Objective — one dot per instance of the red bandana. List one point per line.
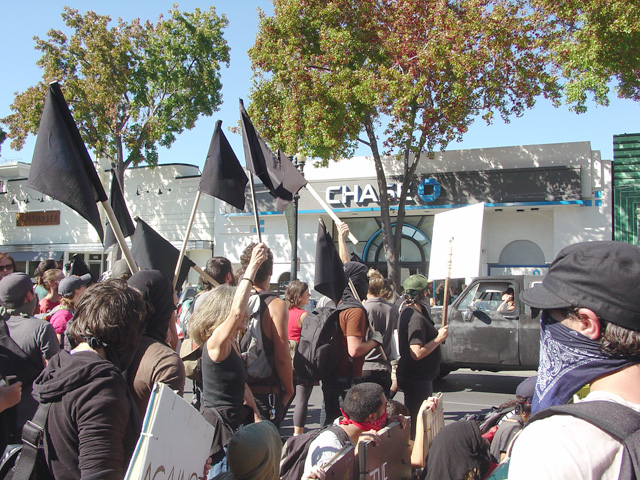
(375, 425)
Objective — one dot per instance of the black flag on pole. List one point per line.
(330, 279)
(61, 166)
(276, 172)
(292, 181)
(259, 158)
(151, 251)
(222, 175)
(120, 210)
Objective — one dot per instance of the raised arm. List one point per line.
(343, 231)
(217, 345)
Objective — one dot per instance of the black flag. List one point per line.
(222, 176)
(330, 279)
(61, 166)
(151, 251)
(120, 210)
(79, 268)
(258, 157)
(292, 181)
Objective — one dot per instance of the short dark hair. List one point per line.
(614, 340)
(265, 270)
(362, 400)
(294, 293)
(43, 266)
(111, 311)
(217, 267)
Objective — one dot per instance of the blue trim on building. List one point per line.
(420, 207)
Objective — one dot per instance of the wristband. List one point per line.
(248, 280)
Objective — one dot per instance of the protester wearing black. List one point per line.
(155, 361)
(458, 452)
(227, 400)
(419, 344)
(93, 424)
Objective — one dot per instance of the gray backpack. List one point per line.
(254, 354)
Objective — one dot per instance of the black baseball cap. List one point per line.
(14, 287)
(601, 276)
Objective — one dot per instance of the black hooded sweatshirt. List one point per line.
(90, 432)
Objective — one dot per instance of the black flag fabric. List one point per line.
(330, 279)
(61, 166)
(258, 157)
(151, 251)
(222, 175)
(120, 210)
(79, 268)
(292, 181)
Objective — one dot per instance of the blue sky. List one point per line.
(22, 19)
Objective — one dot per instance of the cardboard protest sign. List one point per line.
(343, 465)
(174, 442)
(390, 459)
(464, 226)
(432, 422)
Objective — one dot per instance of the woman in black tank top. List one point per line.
(215, 325)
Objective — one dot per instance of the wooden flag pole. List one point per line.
(205, 275)
(255, 207)
(445, 300)
(115, 226)
(186, 239)
(327, 209)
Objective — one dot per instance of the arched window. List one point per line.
(415, 250)
(522, 252)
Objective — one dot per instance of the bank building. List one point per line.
(538, 199)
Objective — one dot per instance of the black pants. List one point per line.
(381, 377)
(334, 391)
(415, 392)
(265, 404)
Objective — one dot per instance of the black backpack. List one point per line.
(27, 461)
(619, 421)
(320, 347)
(296, 449)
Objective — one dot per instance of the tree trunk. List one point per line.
(391, 250)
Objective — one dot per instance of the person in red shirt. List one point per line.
(51, 279)
(297, 296)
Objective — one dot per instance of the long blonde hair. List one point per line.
(214, 310)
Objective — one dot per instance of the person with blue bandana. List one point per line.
(590, 334)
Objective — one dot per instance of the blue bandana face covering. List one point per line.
(568, 361)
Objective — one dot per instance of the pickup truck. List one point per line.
(483, 338)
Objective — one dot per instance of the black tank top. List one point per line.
(223, 382)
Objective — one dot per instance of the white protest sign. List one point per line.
(464, 226)
(175, 439)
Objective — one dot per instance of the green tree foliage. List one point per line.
(329, 72)
(130, 86)
(598, 42)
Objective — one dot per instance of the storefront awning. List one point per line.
(35, 256)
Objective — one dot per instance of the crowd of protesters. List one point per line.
(92, 354)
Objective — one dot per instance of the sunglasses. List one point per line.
(4, 268)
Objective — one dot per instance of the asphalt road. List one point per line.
(464, 391)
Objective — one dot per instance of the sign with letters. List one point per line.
(390, 459)
(175, 440)
(34, 219)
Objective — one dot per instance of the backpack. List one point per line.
(320, 347)
(27, 461)
(252, 346)
(619, 421)
(14, 364)
(296, 449)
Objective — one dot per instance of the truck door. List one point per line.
(482, 329)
